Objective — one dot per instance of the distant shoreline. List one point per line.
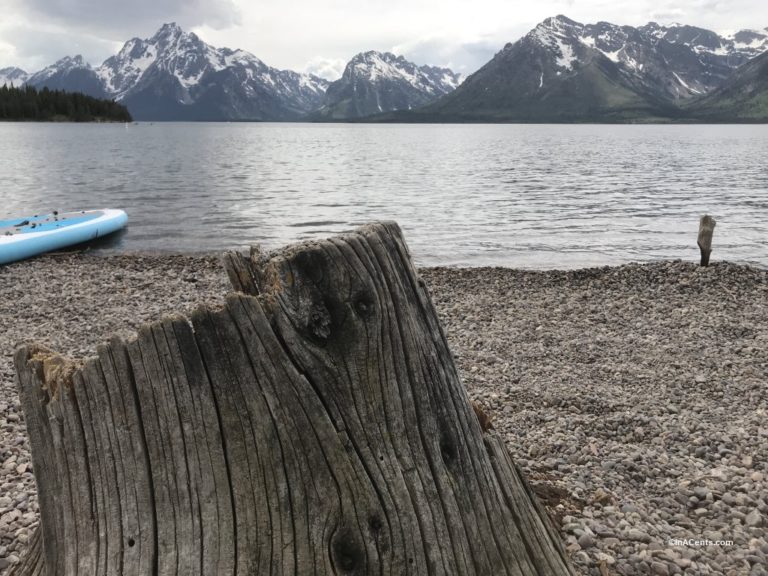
(423, 121)
(31, 105)
(419, 122)
(62, 121)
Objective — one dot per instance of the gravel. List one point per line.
(633, 397)
(72, 303)
(637, 395)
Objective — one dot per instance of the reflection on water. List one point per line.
(513, 195)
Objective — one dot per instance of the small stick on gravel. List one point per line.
(706, 229)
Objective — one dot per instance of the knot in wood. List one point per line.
(448, 448)
(364, 305)
(319, 322)
(346, 552)
(375, 523)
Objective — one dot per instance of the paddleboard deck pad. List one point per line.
(25, 237)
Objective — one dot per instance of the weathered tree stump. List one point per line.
(318, 428)
(706, 230)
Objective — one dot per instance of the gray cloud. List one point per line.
(36, 49)
(328, 68)
(667, 14)
(461, 56)
(42, 31)
(123, 19)
(295, 33)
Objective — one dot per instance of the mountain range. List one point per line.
(561, 71)
(174, 75)
(565, 71)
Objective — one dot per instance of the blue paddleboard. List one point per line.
(24, 237)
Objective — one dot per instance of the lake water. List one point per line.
(532, 196)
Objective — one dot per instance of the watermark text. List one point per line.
(696, 543)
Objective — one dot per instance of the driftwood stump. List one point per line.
(317, 428)
(706, 230)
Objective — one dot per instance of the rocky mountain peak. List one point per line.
(168, 30)
(62, 67)
(13, 76)
(374, 82)
(559, 36)
(69, 62)
(750, 36)
(377, 66)
(172, 37)
(559, 23)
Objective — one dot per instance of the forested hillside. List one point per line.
(55, 105)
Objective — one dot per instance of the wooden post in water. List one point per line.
(318, 427)
(706, 229)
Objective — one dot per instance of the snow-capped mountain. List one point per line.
(174, 75)
(673, 62)
(375, 82)
(743, 98)
(70, 73)
(563, 70)
(744, 44)
(13, 77)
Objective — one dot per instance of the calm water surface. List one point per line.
(510, 195)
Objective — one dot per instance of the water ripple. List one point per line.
(527, 196)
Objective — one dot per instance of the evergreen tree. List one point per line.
(52, 105)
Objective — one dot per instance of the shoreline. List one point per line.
(160, 254)
(633, 396)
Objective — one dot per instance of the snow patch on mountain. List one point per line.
(649, 54)
(612, 56)
(375, 82)
(377, 67)
(556, 34)
(745, 44)
(13, 76)
(752, 41)
(63, 66)
(684, 84)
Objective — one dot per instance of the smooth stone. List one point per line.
(754, 519)
(637, 535)
(586, 541)
(701, 492)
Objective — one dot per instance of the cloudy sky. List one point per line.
(321, 35)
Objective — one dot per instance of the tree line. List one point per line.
(43, 105)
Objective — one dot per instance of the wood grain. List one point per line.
(706, 230)
(314, 424)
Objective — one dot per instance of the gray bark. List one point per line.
(706, 230)
(317, 428)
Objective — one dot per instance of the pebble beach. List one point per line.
(634, 398)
